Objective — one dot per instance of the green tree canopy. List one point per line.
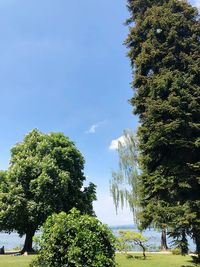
(127, 240)
(164, 50)
(45, 175)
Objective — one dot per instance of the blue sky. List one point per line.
(63, 68)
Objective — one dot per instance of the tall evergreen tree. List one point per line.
(164, 50)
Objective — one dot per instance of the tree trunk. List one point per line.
(143, 250)
(28, 244)
(184, 243)
(197, 242)
(2, 251)
(164, 240)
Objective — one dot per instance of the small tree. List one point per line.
(75, 240)
(45, 175)
(128, 239)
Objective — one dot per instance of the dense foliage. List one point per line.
(164, 50)
(45, 175)
(75, 240)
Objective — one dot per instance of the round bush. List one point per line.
(176, 251)
(75, 240)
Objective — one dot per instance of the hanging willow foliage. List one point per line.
(124, 185)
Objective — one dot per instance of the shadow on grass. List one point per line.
(136, 257)
(193, 262)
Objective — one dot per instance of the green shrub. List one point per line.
(129, 256)
(36, 243)
(75, 240)
(176, 251)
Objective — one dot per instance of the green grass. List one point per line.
(17, 261)
(153, 260)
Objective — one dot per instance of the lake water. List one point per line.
(154, 238)
(11, 241)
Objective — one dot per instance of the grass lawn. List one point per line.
(153, 260)
(18, 261)
(156, 260)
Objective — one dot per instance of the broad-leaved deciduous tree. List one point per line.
(45, 176)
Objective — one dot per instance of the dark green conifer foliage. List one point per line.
(164, 50)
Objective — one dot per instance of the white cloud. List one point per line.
(93, 127)
(115, 143)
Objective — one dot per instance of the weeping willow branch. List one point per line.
(124, 185)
